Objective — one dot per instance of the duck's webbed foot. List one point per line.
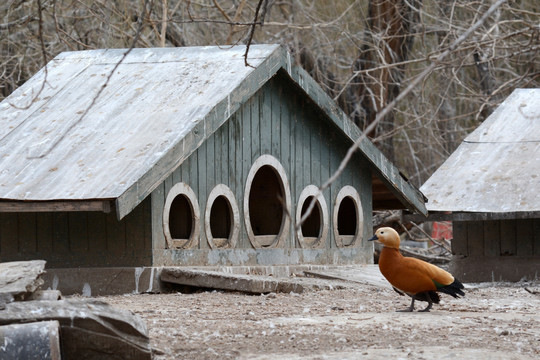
(409, 309)
(427, 298)
(427, 307)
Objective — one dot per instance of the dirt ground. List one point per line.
(495, 321)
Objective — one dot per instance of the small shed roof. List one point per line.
(58, 142)
(497, 167)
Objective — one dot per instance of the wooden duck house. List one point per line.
(490, 189)
(183, 157)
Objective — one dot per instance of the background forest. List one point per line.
(363, 53)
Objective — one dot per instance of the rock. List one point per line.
(19, 279)
(88, 329)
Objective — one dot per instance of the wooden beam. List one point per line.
(55, 206)
(472, 216)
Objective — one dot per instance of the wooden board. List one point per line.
(460, 243)
(492, 238)
(524, 237)
(536, 232)
(73, 239)
(475, 236)
(508, 237)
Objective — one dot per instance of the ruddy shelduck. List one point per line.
(420, 280)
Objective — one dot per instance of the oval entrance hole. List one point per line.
(181, 218)
(346, 221)
(221, 218)
(265, 203)
(311, 228)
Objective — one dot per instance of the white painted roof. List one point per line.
(497, 167)
(152, 101)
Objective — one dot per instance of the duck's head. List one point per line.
(387, 236)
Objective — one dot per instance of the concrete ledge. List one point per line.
(252, 279)
(103, 281)
(501, 268)
(363, 254)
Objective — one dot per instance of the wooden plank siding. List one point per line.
(460, 243)
(276, 120)
(508, 237)
(536, 237)
(493, 238)
(78, 239)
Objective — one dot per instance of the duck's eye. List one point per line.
(382, 232)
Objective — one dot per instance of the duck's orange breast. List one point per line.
(409, 274)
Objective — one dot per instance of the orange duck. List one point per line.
(416, 278)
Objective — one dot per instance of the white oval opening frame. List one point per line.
(225, 191)
(344, 241)
(182, 189)
(320, 241)
(279, 239)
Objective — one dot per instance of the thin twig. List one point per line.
(44, 57)
(22, 21)
(251, 32)
(163, 34)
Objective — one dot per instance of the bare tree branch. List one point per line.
(22, 21)
(252, 31)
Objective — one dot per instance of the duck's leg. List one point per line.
(430, 303)
(410, 308)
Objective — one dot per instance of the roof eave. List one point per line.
(100, 205)
(474, 216)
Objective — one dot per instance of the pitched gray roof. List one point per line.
(157, 108)
(497, 167)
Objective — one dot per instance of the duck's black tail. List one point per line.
(454, 289)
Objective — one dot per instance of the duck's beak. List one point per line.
(374, 238)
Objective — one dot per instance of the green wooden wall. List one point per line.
(279, 121)
(78, 239)
(495, 238)
(496, 250)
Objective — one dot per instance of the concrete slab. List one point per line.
(311, 279)
(257, 284)
(363, 274)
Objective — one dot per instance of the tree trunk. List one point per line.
(388, 41)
